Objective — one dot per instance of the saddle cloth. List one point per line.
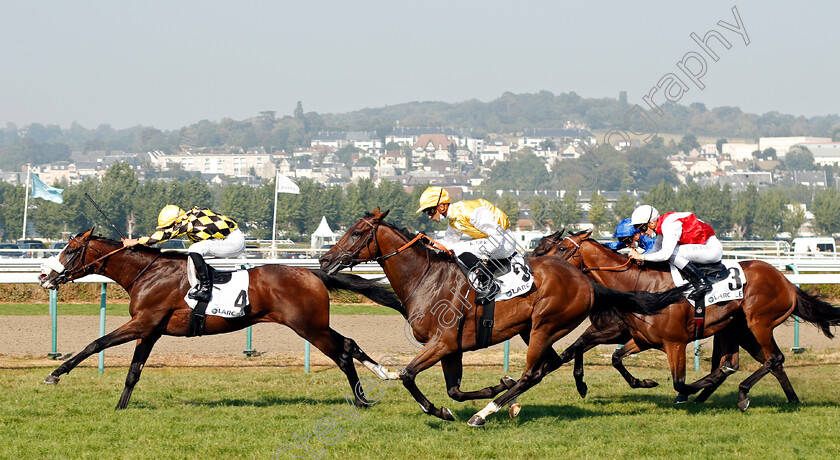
(517, 281)
(230, 293)
(724, 289)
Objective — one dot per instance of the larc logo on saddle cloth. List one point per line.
(229, 299)
(724, 288)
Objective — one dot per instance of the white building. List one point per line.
(229, 164)
(739, 152)
(783, 144)
(825, 153)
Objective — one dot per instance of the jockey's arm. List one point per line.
(666, 243)
(451, 237)
(160, 235)
(486, 222)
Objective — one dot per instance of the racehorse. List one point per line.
(769, 299)
(157, 284)
(430, 288)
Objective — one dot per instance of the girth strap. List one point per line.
(485, 324)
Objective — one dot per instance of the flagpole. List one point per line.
(26, 199)
(274, 220)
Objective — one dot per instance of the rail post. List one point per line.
(306, 357)
(102, 326)
(507, 355)
(696, 355)
(249, 350)
(796, 348)
(54, 354)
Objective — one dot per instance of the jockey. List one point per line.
(682, 239)
(486, 225)
(629, 237)
(212, 235)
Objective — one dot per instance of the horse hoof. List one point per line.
(508, 382)
(648, 383)
(51, 379)
(680, 399)
(582, 390)
(446, 414)
(476, 420)
(744, 404)
(514, 409)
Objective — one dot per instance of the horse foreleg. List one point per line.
(141, 354)
(630, 348)
(676, 362)
(453, 370)
(129, 331)
(725, 357)
(424, 360)
(592, 337)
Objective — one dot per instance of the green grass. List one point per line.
(121, 309)
(226, 412)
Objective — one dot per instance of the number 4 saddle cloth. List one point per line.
(229, 294)
(727, 281)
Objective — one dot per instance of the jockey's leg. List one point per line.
(202, 272)
(687, 254)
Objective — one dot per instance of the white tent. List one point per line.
(323, 235)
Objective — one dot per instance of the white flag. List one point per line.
(285, 185)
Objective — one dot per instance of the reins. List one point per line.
(623, 267)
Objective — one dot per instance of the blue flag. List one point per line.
(42, 190)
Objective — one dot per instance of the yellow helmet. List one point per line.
(432, 197)
(168, 215)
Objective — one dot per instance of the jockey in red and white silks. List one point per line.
(681, 238)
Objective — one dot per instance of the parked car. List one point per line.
(172, 245)
(56, 248)
(30, 250)
(252, 249)
(10, 251)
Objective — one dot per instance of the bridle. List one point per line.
(90, 268)
(576, 254)
(353, 257)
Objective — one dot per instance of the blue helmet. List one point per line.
(624, 229)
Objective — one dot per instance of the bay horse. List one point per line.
(157, 284)
(769, 299)
(440, 308)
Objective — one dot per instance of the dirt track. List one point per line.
(25, 341)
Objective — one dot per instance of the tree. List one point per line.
(719, 144)
(743, 211)
(826, 209)
(662, 197)
(688, 142)
(793, 218)
(623, 208)
(799, 158)
(599, 213)
(568, 213)
(510, 206)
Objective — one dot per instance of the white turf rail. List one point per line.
(16, 271)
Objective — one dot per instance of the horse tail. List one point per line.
(370, 288)
(609, 302)
(815, 310)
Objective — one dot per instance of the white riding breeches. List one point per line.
(232, 246)
(491, 247)
(708, 253)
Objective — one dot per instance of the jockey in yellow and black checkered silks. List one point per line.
(212, 235)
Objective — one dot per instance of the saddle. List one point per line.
(714, 272)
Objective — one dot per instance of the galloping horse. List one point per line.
(157, 283)
(430, 287)
(769, 299)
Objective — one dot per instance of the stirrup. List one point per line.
(200, 293)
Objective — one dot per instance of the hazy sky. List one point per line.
(172, 63)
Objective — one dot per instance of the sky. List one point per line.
(172, 63)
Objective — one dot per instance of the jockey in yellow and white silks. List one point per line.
(212, 234)
(486, 225)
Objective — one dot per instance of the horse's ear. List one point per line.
(586, 235)
(381, 217)
(86, 234)
(375, 211)
(560, 233)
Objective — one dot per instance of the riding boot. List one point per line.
(698, 280)
(480, 277)
(202, 272)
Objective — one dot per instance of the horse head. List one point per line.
(357, 245)
(548, 245)
(569, 248)
(69, 264)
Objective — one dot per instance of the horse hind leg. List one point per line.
(630, 348)
(340, 349)
(749, 343)
(453, 371)
(359, 355)
(141, 354)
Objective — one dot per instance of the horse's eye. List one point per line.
(562, 249)
(356, 233)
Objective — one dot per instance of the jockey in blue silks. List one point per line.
(625, 233)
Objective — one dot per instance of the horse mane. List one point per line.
(656, 266)
(405, 232)
(138, 247)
